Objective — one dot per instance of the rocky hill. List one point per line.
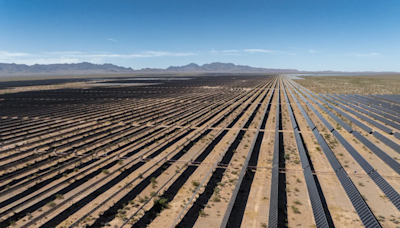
(90, 68)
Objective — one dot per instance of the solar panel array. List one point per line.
(315, 199)
(369, 112)
(387, 141)
(386, 188)
(384, 103)
(374, 104)
(292, 118)
(379, 136)
(366, 119)
(380, 153)
(337, 119)
(235, 192)
(274, 196)
(308, 120)
(389, 97)
(345, 115)
(328, 99)
(397, 135)
(362, 209)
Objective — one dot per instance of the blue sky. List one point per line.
(347, 35)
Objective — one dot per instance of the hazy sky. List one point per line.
(344, 35)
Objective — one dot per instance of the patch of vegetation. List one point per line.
(295, 209)
(216, 198)
(195, 183)
(105, 171)
(202, 214)
(161, 202)
(297, 202)
(59, 196)
(153, 182)
(51, 204)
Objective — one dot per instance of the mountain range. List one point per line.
(90, 68)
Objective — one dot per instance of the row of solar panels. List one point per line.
(359, 115)
(363, 104)
(333, 116)
(375, 101)
(385, 104)
(355, 197)
(315, 198)
(366, 118)
(377, 107)
(292, 118)
(274, 195)
(355, 100)
(380, 153)
(345, 115)
(369, 111)
(391, 193)
(389, 97)
(379, 136)
(232, 201)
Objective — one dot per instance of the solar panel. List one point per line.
(387, 141)
(366, 216)
(327, 150)
(367, 99)
(386, 188)
(381, 154)
(358, 99)
(368, 120)
(386, 121)
(323, 108)
(273, 204)
(307, 95)
(302, 152)
(389, 116)
(315, 199)
(341, 122)
(324, 121)
(385, 110)
(393, 99)
(397, 135)
(308, 120)
(312, 107)
(328, 98)
(360, 160)
(381, 112)
(386, 103)
(333, 116)
(370, 111)
(292, 118)
(355, 121)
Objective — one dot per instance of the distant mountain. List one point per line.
(90, 68)
(9, 69)
(74, 68)
(224, 67)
